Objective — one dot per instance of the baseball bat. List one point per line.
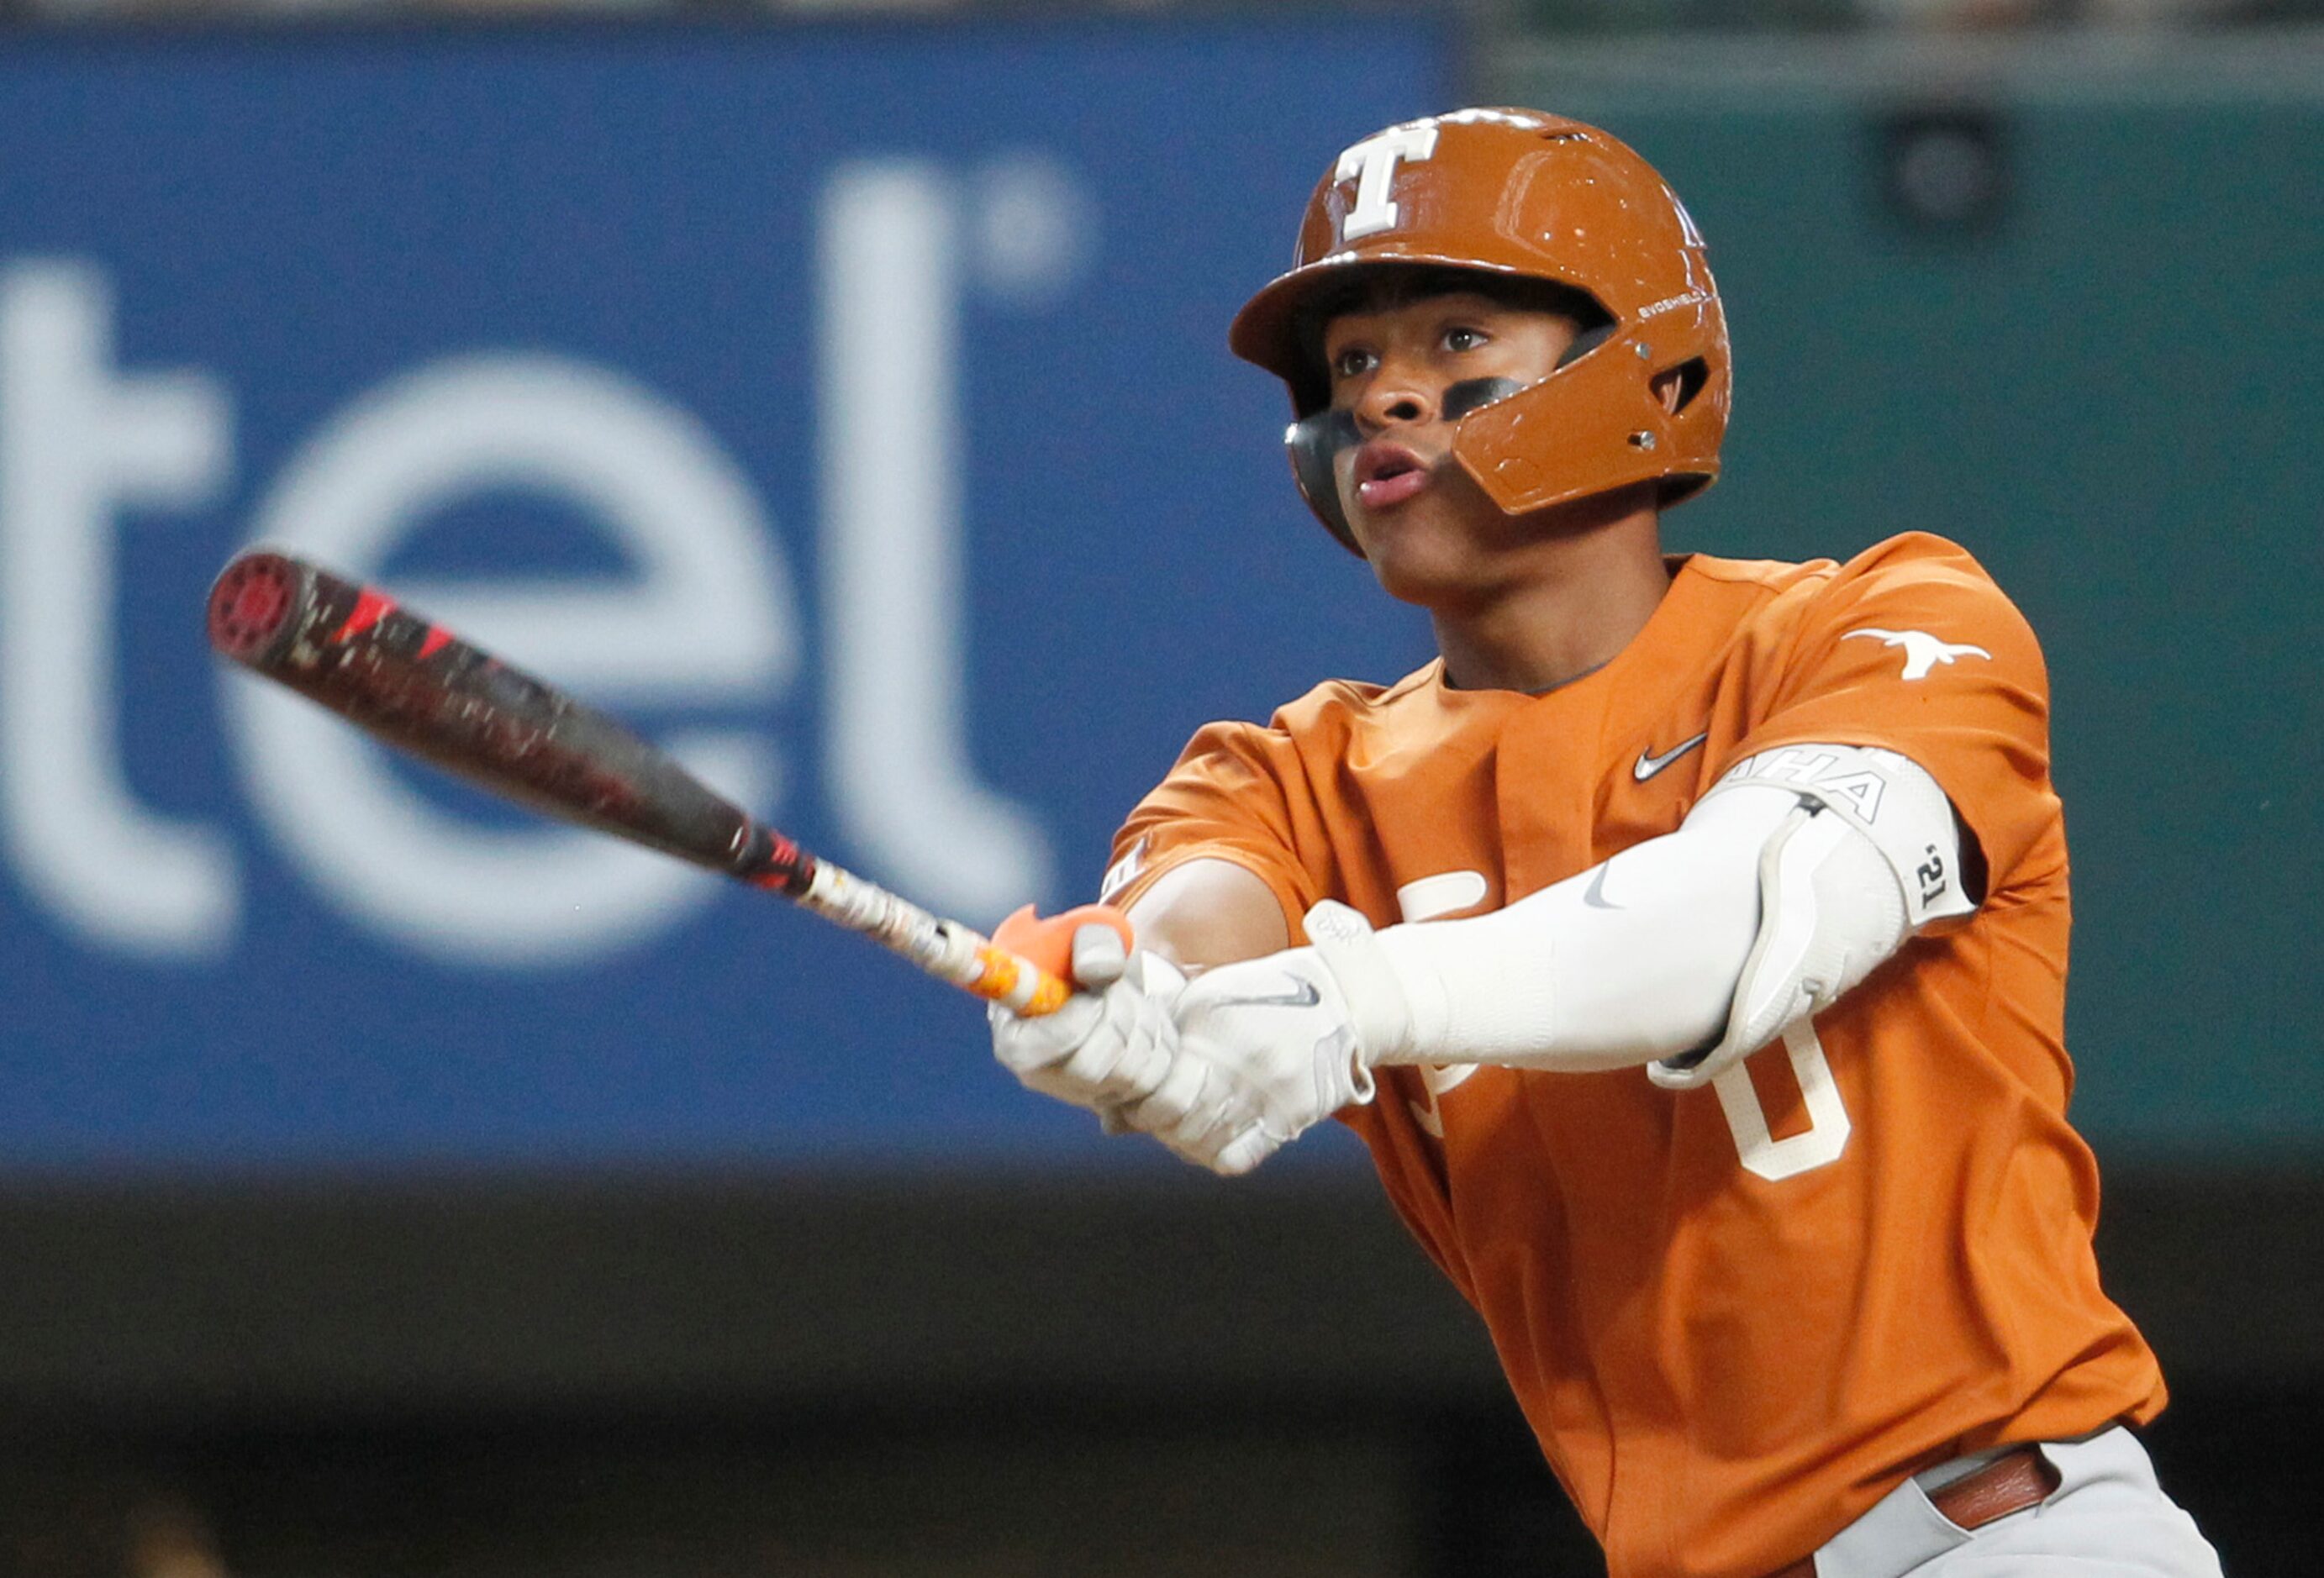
(413, 683)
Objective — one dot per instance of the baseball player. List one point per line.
(1687, 943)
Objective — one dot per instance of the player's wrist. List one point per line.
(1380, 991)
(1421, 961)
(1467, 991)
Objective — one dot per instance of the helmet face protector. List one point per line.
(1318, 439)
(1524, 197)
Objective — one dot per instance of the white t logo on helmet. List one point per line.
(1371, 165)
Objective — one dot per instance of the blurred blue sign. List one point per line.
(849, 410)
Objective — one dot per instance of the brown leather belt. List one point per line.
(2009, 1483)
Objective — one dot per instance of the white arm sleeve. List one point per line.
(1775, 896)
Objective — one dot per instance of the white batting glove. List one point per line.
(1271, 1047)
(1114, 1040)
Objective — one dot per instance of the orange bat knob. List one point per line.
(1050, 943)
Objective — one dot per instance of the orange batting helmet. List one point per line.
(1524, 196)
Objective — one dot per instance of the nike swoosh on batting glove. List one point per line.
(1269, 1047)
(1114, 1040)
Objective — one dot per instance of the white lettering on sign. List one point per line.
(895, 551)
(1371, 165)
(79, 445)
(708, 612)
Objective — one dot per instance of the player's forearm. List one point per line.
(1783, 888)
(1633, 960)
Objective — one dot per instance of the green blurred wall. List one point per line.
(2110, 395)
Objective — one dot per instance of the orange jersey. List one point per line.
(1735, 1320)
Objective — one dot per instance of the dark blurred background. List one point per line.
(390, 1185)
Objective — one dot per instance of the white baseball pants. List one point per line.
(2108, 1519)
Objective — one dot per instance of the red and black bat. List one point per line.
(418, 686)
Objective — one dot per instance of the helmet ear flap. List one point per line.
(1314, 442)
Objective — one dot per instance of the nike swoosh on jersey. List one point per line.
(1648, 763)
(1303, 996)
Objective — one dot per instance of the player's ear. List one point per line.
(1669, 388)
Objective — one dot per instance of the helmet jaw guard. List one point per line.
(1518, 195)
(1315, 442)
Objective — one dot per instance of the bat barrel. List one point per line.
(415, 685)
(412, 683)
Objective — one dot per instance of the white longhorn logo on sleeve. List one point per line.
(1923, 651)
(1371, 165)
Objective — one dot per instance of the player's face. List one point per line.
(1424, 524)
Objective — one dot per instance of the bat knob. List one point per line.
(1050, 943)
(253, 600)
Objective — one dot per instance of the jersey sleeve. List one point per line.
(1231, 796)
(1912, 649)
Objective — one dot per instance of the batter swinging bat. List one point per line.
(418, 686)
